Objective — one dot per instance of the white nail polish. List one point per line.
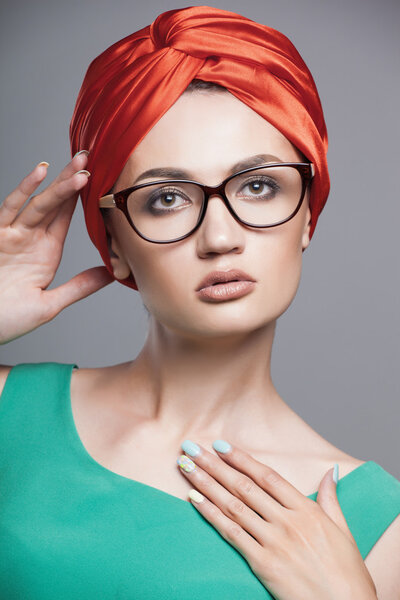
(196, 496)
(81, 152)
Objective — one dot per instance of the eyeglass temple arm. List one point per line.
(107, 201)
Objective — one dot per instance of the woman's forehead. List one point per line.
(206, 133)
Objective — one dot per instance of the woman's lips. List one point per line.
(226, 291)
(224, 277)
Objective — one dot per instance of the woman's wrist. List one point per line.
(350, 593)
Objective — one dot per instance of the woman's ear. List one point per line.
(119, 265)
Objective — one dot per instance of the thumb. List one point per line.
(82, 285)
(328, 500)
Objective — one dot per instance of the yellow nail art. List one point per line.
(186, 463)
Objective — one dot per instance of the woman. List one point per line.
(102, 511)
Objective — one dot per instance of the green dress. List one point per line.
(72, 529)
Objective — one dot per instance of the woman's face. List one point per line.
(206, 134)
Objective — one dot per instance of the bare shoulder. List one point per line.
(95, 378)
(4, 371)
(85, 378)
(383, 562)
(95, 386)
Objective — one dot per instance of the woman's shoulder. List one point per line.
(90, 373)
(96, 379)
(88, 377)
(383, 561)
(370, 499)
(24, 368)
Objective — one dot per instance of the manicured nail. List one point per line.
(43, 164)
(190, 448)
(335, 473)
(81, 152)
(221, 446)
(186, 463)
(84, 172)
(196, 496)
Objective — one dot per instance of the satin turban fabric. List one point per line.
(131, 84)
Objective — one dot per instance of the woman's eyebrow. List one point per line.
(174, 173)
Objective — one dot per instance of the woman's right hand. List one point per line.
(31, 244)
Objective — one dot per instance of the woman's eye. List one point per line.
(166, 200)
(259, 187)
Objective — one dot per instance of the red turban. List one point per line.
(131, 84)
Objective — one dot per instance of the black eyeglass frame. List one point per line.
(119, 199)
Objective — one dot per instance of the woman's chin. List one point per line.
(228, 325)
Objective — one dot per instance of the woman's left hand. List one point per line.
(296, 547)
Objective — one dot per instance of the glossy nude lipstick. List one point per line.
(225, 285)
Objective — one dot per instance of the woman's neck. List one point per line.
(207, 388)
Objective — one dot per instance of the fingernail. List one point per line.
(335, 473)
(221, 446)
(81, 152)
(43, 164)
(186, 463)
(84, 172)
(196, 496)
(190, 448)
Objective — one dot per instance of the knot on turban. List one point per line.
(131, 84)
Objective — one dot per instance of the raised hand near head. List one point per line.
(31, 245)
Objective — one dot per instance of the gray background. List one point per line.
(336, 353)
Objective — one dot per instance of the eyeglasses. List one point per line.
(170, 210)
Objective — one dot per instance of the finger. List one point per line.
(14, 201)
(232, 507)
(77, 162)
(239, 485)
(38, 209)
(328, 501)
(82, 285)
(59, 220)
(267, 478)
(233, 533)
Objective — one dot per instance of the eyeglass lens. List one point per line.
(170, 210)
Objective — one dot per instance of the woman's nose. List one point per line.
(219, 231)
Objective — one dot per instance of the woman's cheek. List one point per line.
(290, 275)
(279, 277)
(163, 287)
